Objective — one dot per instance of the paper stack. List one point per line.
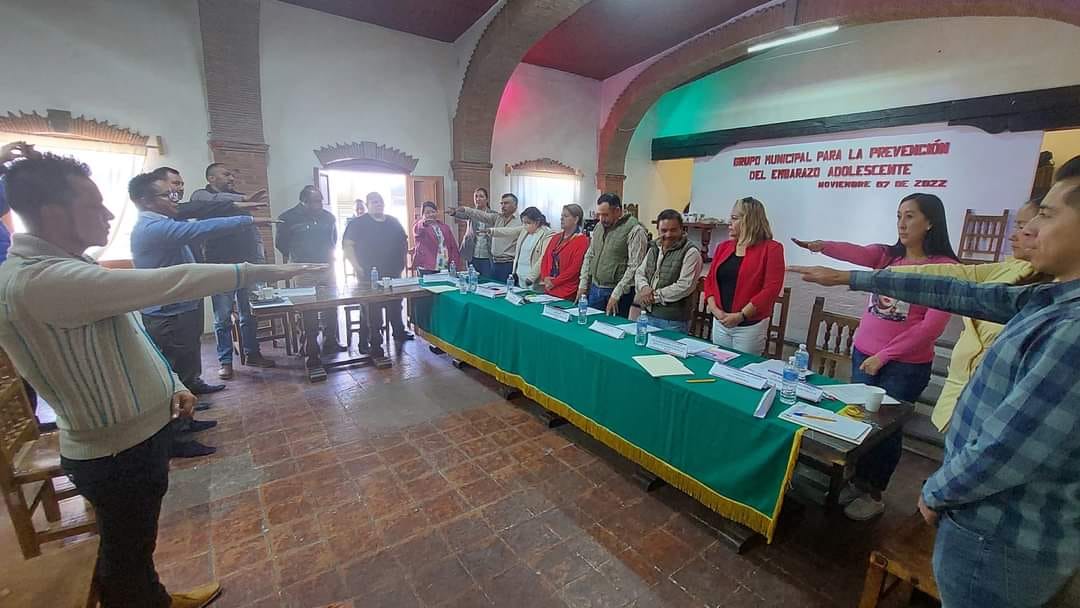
(825, 421)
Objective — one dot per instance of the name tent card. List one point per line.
(671, 347)
(556, 313)
(765, 403)
(737, 376)
(515, 299)
(607, 329)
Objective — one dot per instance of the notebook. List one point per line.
(828, 422)
(663, 365)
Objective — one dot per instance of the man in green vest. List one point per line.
(668, 277)
(617, 247)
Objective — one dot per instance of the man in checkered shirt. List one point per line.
(1007, 496)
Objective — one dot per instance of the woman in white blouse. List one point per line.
(532, 239)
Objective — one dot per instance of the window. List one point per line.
(545, 191)
(111, 167)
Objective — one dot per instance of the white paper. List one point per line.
(607, 329)
(295, 292)
(662, 365)
(854, 394)
(631, 328)
(588, 311)
(670, 347)
(490, 292)
(737, 376)
(768, 370)
(555, 313)
(717, 354)
(274, 304)
(541, 298)
(442, 277)
(825, 421)
(440, 288)
(493, 285)
(515, 299)
(405, 281)
(695, 346)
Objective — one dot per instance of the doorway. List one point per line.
(342, 188)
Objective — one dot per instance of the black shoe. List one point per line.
(436, 350)
(332, 348)
(202, 388)
(190, 449)
(202, 406)
(201, 425)
(403, 336)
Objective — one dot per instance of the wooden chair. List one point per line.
(774, 343)
(29, 462)
(833, 350)
(903, 563)
(700, 319)
(983, 237)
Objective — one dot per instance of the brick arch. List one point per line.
(517, 26)
(726, 44)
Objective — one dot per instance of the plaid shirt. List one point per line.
(1012, 452)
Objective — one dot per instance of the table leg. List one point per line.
(378, 351)
(836, 483)
(316, 371)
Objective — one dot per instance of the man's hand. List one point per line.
(814, 246)
(580, 292)
(822, 276)
(931, 516)
(731, 319)
(281, 272)
(265, 221)
(183, 404)
(646, 296)
(258, 205)
(547, 283)
(17, 149)
(871, 366)
(612, 307)
(259, 196)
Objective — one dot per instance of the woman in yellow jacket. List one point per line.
(977, 336)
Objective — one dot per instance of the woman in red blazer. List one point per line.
(560, 267)
(744, 280)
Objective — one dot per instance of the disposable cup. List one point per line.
(874, 395)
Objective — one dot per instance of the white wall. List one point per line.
(328, 79)
(547, 113)
(135, 64)
(864, 68)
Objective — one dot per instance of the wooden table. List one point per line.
(329, 298)
(57, 579)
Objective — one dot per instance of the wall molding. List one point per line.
(366, 156)
(1040, 109)
(60, 123)
(543, 165)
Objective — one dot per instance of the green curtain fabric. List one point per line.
(701, 438)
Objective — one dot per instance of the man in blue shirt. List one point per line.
(1007, 496)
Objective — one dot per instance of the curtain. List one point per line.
(111, 167)
(547, 192)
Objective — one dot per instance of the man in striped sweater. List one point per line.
(70, 328)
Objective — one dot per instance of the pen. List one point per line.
(701, 380)
(801, 415)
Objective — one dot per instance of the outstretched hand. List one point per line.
(822, 275)
(280, 272)
(814, 246)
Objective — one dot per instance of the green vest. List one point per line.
(609, 263)
(670, 268)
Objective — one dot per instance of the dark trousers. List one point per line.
(501, 270)
(311, 321)
(126, 490)
(483, 266)
(177, 337)
(904, 381)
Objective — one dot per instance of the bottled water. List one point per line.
(509, 283)
(453, 268)
(463, 284)
(582, 308)
(474, 278)
(440, 263)
(789, 389)
(374, 277)
(802, 361)
(641, 338)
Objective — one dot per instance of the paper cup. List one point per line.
(874, 395)
(266, 293)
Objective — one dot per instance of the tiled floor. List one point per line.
(420, 486)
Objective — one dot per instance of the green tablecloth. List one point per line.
(701, 438)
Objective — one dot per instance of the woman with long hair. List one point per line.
(436, 247)
(744, 280)
(894, 345)
(532, 239)
(560, 268)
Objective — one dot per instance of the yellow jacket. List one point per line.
(977, 336)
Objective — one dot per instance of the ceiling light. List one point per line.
(821, 31)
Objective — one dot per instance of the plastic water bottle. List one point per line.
(474, 279)
(790, 388)
(463, 284)
(374, 277)
(510, 283)
(641, 338)
(453, 268)
(582, 309)
(802, 361)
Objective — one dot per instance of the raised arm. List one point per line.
(198, 209)
(990, 302)
(186, 232)
(510, 231)
(976, 273)
(871, 256)
(1033, 425)
(206, 196)
(477, 215)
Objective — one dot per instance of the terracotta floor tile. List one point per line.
(363, 466)
(494, 461)
(444, 507)
(595, 591)
(420, 550)
(278, 470)
(488, 558)
(473, 598)
(466, 531)
(284, 511)
(271, 454)
(691, 531)
(321, 589)
(631, 572)
(489, 425)
(507, 437)
(561, 564)
(442, 580)
(303, 563)
(399, 454)
(293, 535)
(417, 431)
(231, 558)
(266, 440)
(704, 582)
(371, 573)
(188, 573)
(398, 595)
(574, 456)
(664, 551)
(529, 539)
(507, 512)
(483, 492)
(413, 469)
(479, 447)
(428, 487)
(353, 449)
(464, 474)
(399, 526)
(316, 460)
(462, 434)
(432, 443)
(285, 489)
(244, 587)
(520, 586)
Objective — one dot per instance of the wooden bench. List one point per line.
(902, 564)
(57, 579)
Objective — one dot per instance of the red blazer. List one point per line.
(570, 258)
(761, 276)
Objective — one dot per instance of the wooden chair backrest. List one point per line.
(17, 422)
(830, 339)
(774, 344)
(700, 320)
(983, 237)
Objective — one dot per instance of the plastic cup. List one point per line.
(874, 396)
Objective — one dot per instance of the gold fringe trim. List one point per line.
(728, 508)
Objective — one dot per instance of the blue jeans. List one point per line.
(679, 326)
(977, 571)
(223, 307)
(904, 381)
(599, 296)
(483, 266)
(499, 271)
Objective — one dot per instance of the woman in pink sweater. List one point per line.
(894, 345)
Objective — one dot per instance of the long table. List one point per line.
(700, 437)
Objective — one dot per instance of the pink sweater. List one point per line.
(891, 329)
